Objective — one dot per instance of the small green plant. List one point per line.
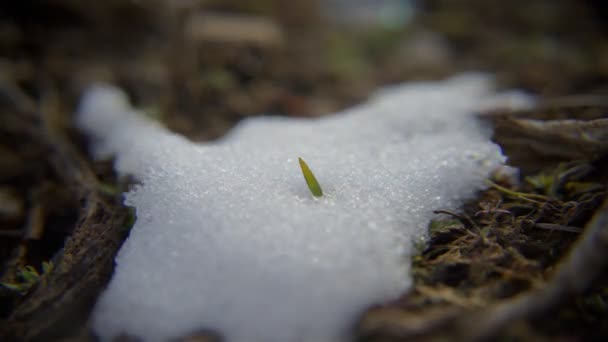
(310, 179)
(27, 277)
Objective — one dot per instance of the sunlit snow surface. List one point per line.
(229, 238)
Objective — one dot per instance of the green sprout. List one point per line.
(310, 179)
(27, 277)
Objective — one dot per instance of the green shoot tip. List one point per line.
(310, 179)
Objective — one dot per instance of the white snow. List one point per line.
(229, 238)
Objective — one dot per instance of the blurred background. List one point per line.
(199, 66)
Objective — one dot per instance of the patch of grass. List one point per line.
(27, 277)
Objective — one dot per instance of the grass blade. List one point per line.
(310, 179)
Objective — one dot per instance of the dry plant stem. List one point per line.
(520, 195)
(563, 228)
(574, 101)
(586, 261)
(464, 218)
(33, 230)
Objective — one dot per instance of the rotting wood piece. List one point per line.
(555, 139)
(58, 306)
(532, 141)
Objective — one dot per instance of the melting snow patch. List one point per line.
(228, 237)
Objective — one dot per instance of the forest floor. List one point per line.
(524, 260)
